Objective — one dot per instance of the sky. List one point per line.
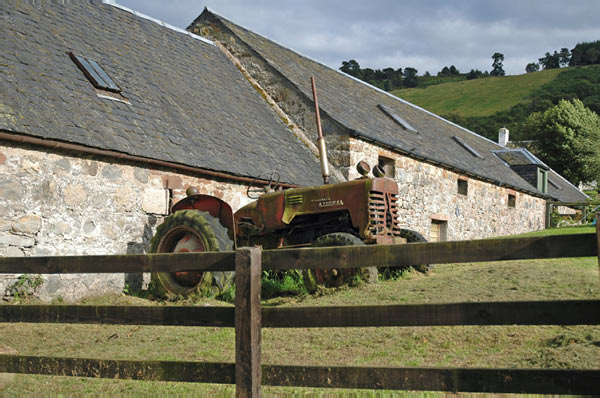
(423, 34)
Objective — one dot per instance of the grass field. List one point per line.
(478, 97)
(468, 346)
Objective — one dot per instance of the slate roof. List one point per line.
(189, 104)
(365, 111)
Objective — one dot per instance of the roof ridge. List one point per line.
(113, 3)
(359, 81)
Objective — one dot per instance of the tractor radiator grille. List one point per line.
(383, 214)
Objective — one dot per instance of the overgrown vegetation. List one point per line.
(25, 287)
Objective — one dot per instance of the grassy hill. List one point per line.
(479, 97)
(486, 104)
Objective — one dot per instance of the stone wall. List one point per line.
(430, 192)
(54, 203)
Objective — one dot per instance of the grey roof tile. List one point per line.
(189, 103)
(355, 105)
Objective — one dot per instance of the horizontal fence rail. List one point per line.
(557, 246)
(125, 263)
(568, 312)
(119, 315)
(541, 381)
(575, 312)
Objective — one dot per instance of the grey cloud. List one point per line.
(426, 35)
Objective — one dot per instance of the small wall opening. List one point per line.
(462, 187)
(438, 231)
(512, 200)
(388, 165)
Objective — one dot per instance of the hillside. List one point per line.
(478, 97)
(484, 105)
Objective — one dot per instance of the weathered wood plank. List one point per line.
(540, 381)
(586, 203)
(119, 315)
(200, 372)
(573, 312)
(164, 262)
(598, 240)
(247, 323)
(534, 381)
(582, 245)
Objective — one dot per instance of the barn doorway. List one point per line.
(438, 231)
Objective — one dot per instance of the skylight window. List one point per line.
(403, 123)
(95, 74)
(467, 147)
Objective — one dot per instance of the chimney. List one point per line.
(503, 136)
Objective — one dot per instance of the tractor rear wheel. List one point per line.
(191, 231)
(313, 278)
(415, 237)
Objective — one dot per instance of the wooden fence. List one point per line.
(248, 373)
(585, 208)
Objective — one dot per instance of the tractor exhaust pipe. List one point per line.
(320, 140)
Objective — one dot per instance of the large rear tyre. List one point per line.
(415, 237)
(190, 231)
(315, 278)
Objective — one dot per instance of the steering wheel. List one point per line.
(254, 192)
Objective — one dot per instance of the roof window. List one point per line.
(467, 147)
(95, 74)
(403, 123)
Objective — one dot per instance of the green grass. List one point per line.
(478, 97)
(460, 346)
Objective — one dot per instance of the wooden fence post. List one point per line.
(548, 215)
(598, 240)
(247, 323)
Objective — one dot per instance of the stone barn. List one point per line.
(454, 183)
(107, 116)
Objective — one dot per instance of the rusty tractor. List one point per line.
(358, 212)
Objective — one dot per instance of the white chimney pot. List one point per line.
(503, 136)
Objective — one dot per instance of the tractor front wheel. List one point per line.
(190, 231)
(313, 278)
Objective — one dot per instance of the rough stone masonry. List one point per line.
(56, 204)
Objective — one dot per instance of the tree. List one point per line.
(474, 74)
(444, 72)
(497, 66)
(568, 140)
(454, 71)
(550, 61)
(586, 53)
(532, 67)
(352, 68)
(564, 56)
(410, 77)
